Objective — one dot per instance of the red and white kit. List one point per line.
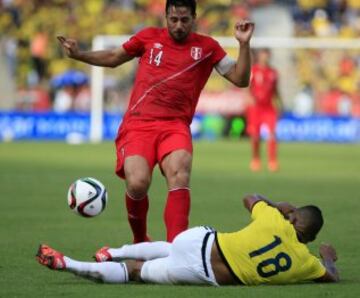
(263, 89)
(168, 83)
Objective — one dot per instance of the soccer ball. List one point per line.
(87, 197)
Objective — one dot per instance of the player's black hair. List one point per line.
(184, 3)
(313, 220)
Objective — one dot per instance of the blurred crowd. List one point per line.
(326, 18)
(330, 78)
(28, 32)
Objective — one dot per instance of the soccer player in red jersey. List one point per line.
(263, 110)
(174, 65)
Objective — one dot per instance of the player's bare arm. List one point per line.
(329, 257)
(284, 207)
(239, 74)
(106, 58)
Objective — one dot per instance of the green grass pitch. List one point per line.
(34, 178)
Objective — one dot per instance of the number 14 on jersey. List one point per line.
(155, 58)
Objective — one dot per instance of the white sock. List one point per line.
(141, 251)
(108, 272)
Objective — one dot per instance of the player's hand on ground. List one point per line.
(327, 251)
(244, 30)
(69, 45)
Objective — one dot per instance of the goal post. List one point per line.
(102, 42)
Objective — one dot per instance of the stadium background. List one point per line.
(313, 82)
(320, 89)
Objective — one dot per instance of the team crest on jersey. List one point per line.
(196, 53)
(157, 45)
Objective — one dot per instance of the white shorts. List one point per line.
(188, 261)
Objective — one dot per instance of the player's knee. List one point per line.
(179, 178)
(137, 185)
(183, 177)
(179, 173)
(177, 168)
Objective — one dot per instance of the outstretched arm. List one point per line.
(240, 72)
(284, 207)
(329, 257)
(107, 58)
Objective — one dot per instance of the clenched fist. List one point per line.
(244, 30)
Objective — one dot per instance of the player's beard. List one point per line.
(179, 35)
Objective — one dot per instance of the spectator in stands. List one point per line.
(64, 98)
(304, 102)
(356, 102)
(39, 46)
(82, 99)
(10, 49)
(321, 24)
(34, 99)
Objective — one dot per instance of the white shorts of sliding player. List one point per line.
(188, 261)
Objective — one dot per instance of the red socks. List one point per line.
(272, 149)
(176, 214)
(272, 152)
(137, 212)
(255, 147)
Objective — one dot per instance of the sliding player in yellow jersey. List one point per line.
(270, 250)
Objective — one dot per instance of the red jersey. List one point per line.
(263, 85)
(170, 75)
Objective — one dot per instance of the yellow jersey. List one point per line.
(268, 251)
